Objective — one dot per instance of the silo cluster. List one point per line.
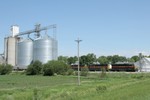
(42, 49)
(21, 52)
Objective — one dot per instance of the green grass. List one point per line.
(115, 86)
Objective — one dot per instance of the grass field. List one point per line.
(116, 86)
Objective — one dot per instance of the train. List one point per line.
(109, 67)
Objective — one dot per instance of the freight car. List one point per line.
(114, 67)
(124, 67)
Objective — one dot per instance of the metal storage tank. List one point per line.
(25, 53)
(55, 49)
(43, 49)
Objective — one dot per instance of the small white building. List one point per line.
(143, 65)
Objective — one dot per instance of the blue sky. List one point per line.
(107, 27)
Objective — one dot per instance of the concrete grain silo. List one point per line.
(10, 46)
(10, 50)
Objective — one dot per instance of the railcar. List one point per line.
(114, 67)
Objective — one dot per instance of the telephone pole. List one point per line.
(78, 42)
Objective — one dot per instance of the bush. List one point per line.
(5, 69)
(101, 88)
(70, 71)
(57, 67)
(34, 68)
(84, 71)
(48, 70)
(103, 73)
(60, 67)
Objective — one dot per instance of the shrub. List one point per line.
(57, 67)
(60, 67)
(103, 73)
(30, 70)
(5, 69)
(35, 94)
(84, 71)
(101, 88)
(48, 70)
(70, 71)
(34, 68)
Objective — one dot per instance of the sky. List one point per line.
(106, 27)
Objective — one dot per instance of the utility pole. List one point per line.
(78, 42)
(140, 61)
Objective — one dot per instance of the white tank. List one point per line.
(55, 50)
(43, 49)
(25, 53)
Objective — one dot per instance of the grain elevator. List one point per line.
(21, 51)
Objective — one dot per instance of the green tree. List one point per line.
(91, 58)
(135, 58)
(83, 60)
(63, 59)
(130, 60)
(34, 68)
(110, 59)
(103, 60)
(72, 60)
(5, 69)
(57, 67)
(122, 59)
(116, 58)
(48, 70)
(88, 59)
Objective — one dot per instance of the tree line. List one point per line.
(62, 66)
(91, 58)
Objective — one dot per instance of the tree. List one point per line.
(48, 70)
(72, 60)
(83, 60)
(109, 58)
(135, 58)
(88, 59)
(103, 60)
(34, 68)
(63, 59)
(91, 58)
(5, 69)
(57, 67)
(116, 58)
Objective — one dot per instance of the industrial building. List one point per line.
(20, 51)
(143, 64)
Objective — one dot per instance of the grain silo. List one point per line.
(43, 49)
(20, 53)
(55, 49)
(10, 46)
(24, 53)
(10, 50)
